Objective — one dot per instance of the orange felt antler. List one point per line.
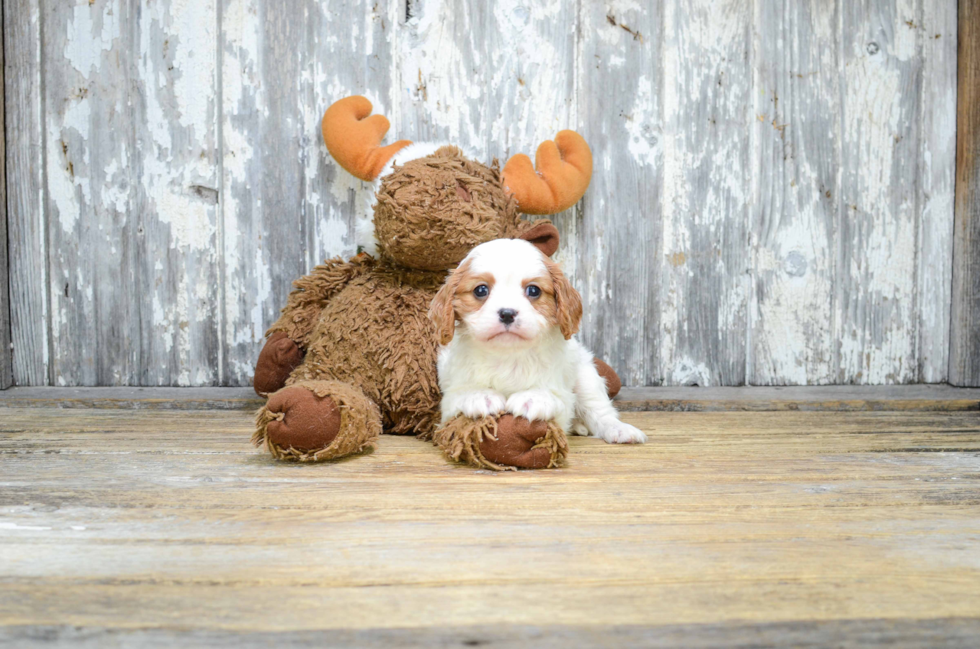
(354, 139)
(564, 171)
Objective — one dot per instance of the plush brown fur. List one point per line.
(431, 212)
(311, 294)
(374, 335)
(483, 442)
(358, 429)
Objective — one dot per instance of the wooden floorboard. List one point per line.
(950, 633)
(145, 528)
(833, 398)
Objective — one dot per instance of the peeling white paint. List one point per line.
(644, 145)
(689, 372)
(263, 291)
(168, 183)
(876, 322)
(530, 76)
(792, 337)
(193, 40)
(67, 144)
(90, 35)
(247, 268)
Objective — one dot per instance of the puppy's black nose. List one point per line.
(507, 315)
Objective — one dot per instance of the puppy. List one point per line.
(513, 351)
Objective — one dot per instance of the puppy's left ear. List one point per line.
(543, 236)
(441, 310)
(568, 302)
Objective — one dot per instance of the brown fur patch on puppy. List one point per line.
(464, 301)
(441, 311)
(545, 304)
(613, 383)
(568, 303)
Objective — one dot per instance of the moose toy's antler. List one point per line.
(354, 139)
(564, 171)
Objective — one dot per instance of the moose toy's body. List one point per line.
(365, 349)
(354, 353)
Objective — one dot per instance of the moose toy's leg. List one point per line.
(289, 336)
(310, 421)
(503, 443)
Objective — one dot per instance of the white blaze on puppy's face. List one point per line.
(506, 295)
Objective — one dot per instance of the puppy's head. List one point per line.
(506, 293)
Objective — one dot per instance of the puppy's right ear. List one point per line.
(567, 300)
(441, 310)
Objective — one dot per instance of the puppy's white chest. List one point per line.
(519, 378)
(529, 370)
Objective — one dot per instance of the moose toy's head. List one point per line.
(434, 205)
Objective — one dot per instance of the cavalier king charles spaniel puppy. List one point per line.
(512, 349)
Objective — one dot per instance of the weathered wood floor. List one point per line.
(123, 527)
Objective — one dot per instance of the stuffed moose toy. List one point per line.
(354, 353)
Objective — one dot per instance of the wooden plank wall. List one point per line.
(964, 361)
(772, 200)
(26, 216)
(6, 369)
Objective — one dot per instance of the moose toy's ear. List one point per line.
(544, 237)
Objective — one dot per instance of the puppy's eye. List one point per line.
(481, 291)
(532, 291)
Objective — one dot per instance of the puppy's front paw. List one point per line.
(481, 404)
(618, 432)
(535, 405)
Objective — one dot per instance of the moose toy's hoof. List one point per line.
(311, 421)
(278, 358)
(506, 443)
(515, 443)
(304, 421)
